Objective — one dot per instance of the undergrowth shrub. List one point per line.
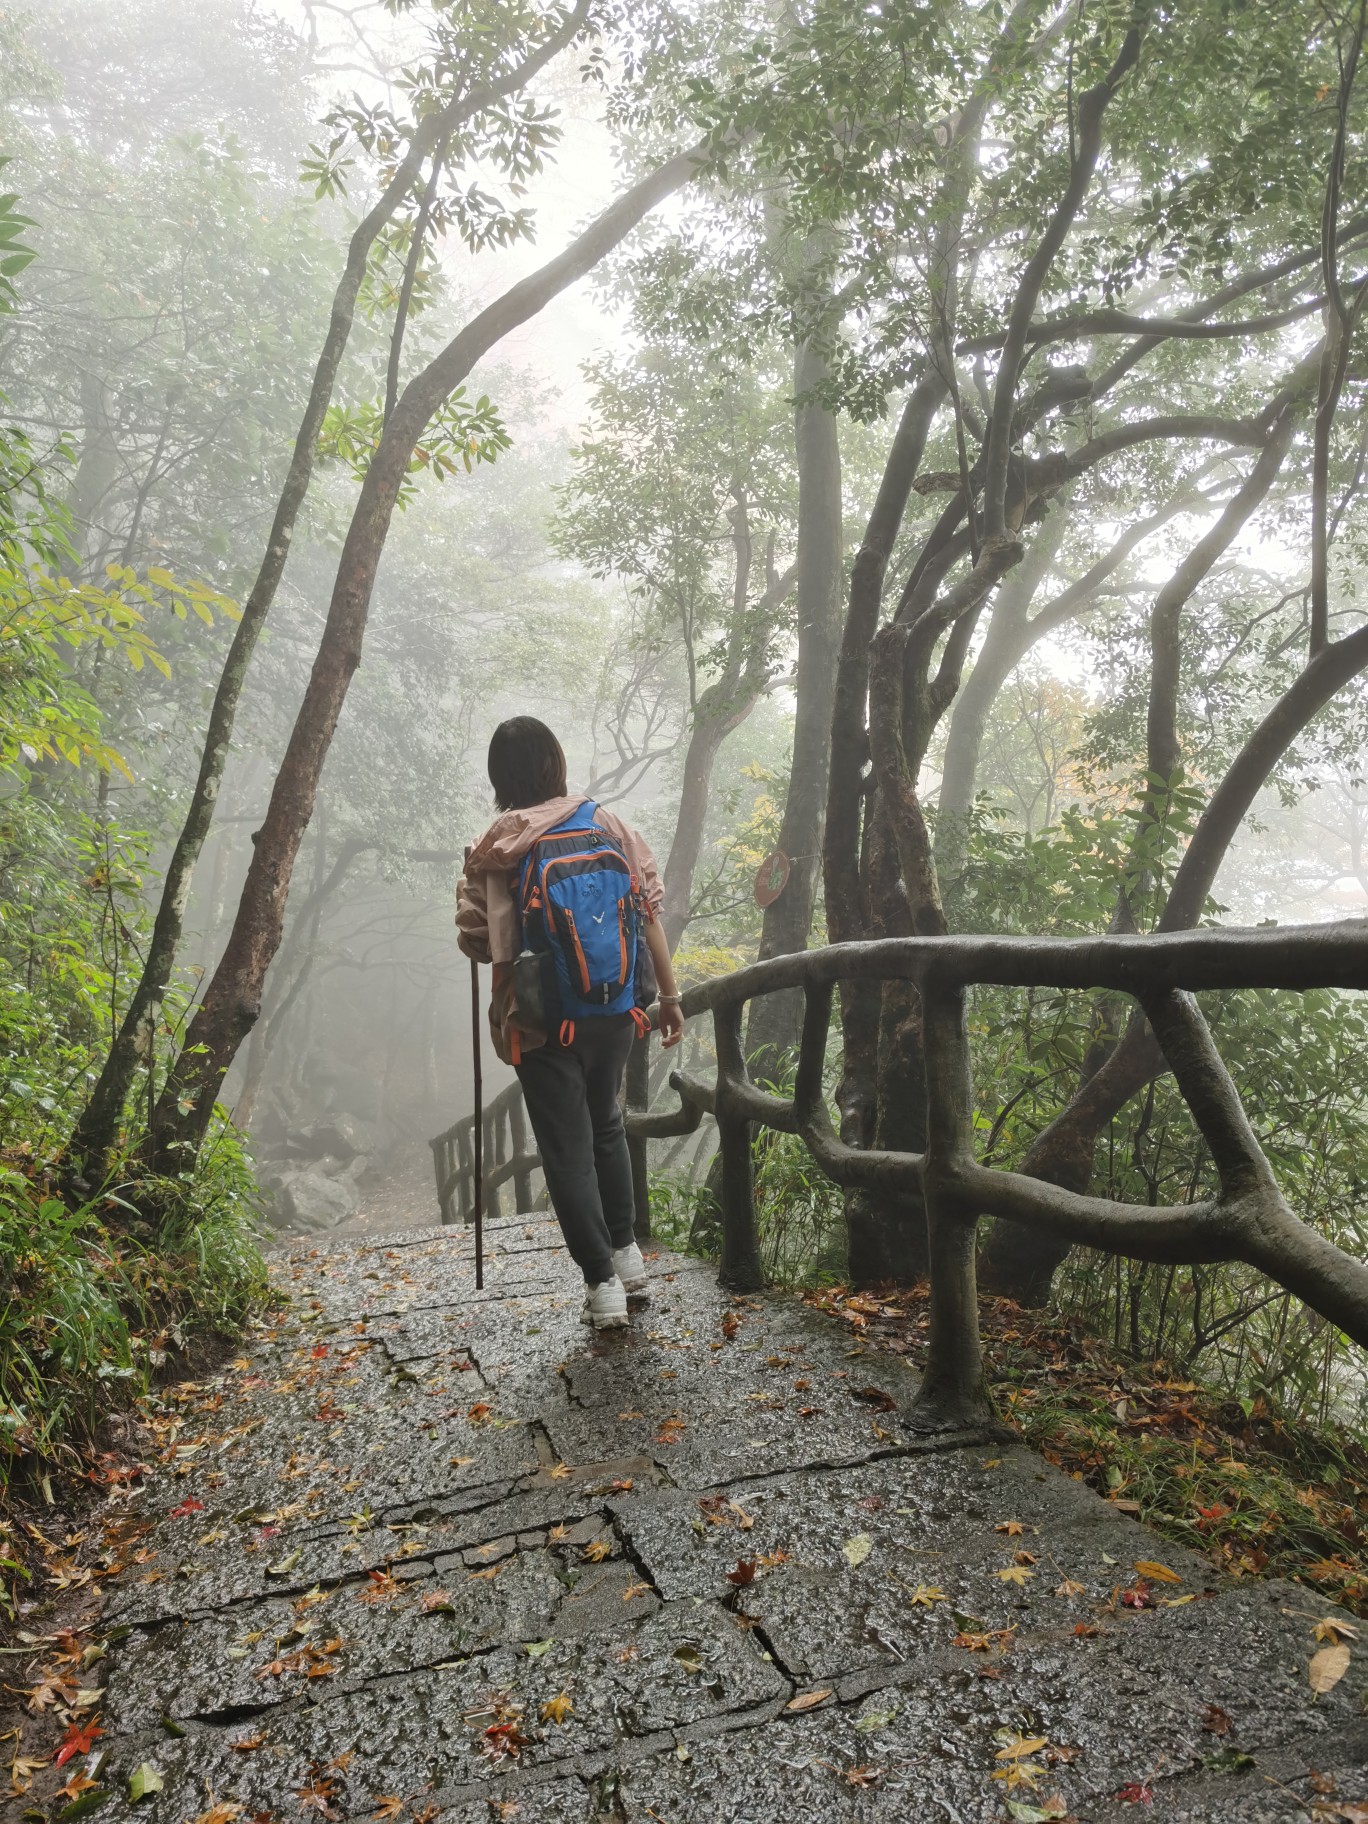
(95, 1300)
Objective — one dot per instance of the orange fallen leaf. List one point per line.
(387, 1805)
(808, 1700)
(598, 1549)
(556, 1709)
(1156, 1573)
(76, 1785)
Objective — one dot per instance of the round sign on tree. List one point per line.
(771, 877)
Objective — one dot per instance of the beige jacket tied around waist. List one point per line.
(487, 918)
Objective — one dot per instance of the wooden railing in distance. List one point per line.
(1247, 1220)
(507, 1158)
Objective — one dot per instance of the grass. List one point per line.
(1231, 1479)
(94, 1303)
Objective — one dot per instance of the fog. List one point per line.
(161, 352)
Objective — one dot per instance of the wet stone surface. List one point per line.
(443, 1556)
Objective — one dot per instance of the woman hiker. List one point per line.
(563, 898)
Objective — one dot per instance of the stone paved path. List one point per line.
(430, 1554)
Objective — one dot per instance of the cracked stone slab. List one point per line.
(228, 1573)
(794, 1394)
(924, 1505)
(429, 1729)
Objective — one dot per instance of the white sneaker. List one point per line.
(630, 1269)
(605, 1305)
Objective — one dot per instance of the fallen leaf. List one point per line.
(189, 1506)
(221, 1813)
(80, 1739)
(1016, 1573)
(1070, 1587)
(743, 1574)
(22, 1769)
(535, 1648)
(808, 1700)
(634, 1590)
(874, 1720)
(76, 1787)
(857, 1549)
(562, 1472)
(1328, 1666)
(1136, 1793)
(387, 1805)
(1156, 1573)
(556, 1709)
(876, 1397)
(1333, 1628)
(1215, 1720)
(248, 1744)
(1019, 1746)
(436, 1602)
(144, 1779)
(862, 1776)
(1012, 1528)
(926, 1596)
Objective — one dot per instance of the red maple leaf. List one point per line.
(79, 1739)
(1136, 1794)
(189, 1506)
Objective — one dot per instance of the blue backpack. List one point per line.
(582, 914)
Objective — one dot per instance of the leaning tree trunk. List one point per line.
(232, 1001)
(97, 1128)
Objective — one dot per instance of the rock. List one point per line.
(314, 1203)
(341, 1135)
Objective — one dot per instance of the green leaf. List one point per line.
(143, 1780)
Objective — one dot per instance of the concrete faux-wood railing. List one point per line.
(1247, 1220)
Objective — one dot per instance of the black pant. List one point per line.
(572, 1095)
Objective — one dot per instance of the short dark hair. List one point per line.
(526, 764)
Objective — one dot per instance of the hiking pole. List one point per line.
(479, 1123)
(478, 1135)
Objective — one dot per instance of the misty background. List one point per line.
(167, 327)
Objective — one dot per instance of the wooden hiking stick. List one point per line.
(479, 1123)
(478, 1135)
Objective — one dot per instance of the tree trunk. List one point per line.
(1005, 644)
(776, 1019)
